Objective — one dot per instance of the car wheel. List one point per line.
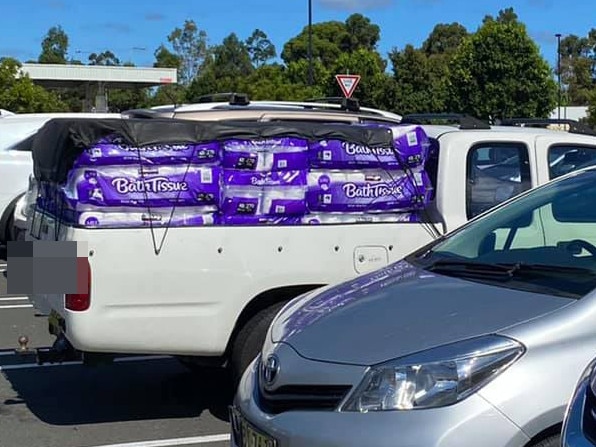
(249, 340)
(551, 441)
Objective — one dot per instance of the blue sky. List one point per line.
(133, 29)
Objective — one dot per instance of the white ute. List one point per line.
(210, 294)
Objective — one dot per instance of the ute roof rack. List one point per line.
(574, 125)
(464, 121)
(350, 104)
(233, 98)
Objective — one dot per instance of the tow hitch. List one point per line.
(61, 351)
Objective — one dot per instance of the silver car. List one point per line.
(476, 339)
(579, 426)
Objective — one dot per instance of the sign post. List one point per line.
(347, 83)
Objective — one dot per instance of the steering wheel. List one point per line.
(575, 244)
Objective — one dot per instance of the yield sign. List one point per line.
(347, 83)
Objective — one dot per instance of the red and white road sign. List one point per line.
(347, 83)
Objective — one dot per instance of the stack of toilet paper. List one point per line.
(265, 181)
(116, 185)
(352, 183)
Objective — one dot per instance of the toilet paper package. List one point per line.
(353, 218)
(273, 154)
(112, 151)
(145, 186)
(259, 220)
(141, 218)
(265, 193)
(347, 191)
(410, 149)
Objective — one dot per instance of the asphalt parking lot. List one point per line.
(134, 402)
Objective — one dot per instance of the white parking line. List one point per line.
(173, 442)
(14, 298)
(47, 365)
(16, 306)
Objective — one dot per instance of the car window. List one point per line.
(553, 226)
(563, 159)
(495, 172)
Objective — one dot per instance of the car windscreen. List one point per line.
(545, 241)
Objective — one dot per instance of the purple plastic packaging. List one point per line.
(335, 191)
(110, 151)
(158, 217)
(273, 154)
(264, 179)
(410, 149)
(336, 154)
(258, 220)
(155, 186)
(263, 193)
(356, 218)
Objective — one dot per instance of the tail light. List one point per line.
(81, 300)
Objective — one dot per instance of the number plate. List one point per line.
(246, 435)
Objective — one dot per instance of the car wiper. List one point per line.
(522, 267)
(470, 268)
(505, 270)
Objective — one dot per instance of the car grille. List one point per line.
(301, 397)
(589, 423)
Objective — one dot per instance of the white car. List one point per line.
(16, 135)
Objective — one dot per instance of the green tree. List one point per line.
(414, 80)
(20, 95)
(327, 38)
(592, 109)
(271, 82)
(164, 58)
(54, 46)
(444, 39)
(223, 69)
(260, 48)
(190, 46)
(104, 58)
(578, 67)
(498, 72)
(360, 33)
(507, 16)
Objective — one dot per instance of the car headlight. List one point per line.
(434, 378)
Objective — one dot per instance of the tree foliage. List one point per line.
(498, 72)
(225, 67)
(260, 48)
(20, 95)
(190, 46)
(106, 58)
(493, 72)
(578, 67)
(54, 47)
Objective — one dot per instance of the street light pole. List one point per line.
(558, 35)
(310, 69)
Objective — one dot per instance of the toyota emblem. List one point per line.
(270, 369)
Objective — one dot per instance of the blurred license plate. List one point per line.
(246, 435)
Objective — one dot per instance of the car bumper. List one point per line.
(469, 423)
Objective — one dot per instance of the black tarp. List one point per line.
(60, 141)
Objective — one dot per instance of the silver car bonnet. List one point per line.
(400, 310)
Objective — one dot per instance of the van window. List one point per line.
(495, 172)
(563, 159)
